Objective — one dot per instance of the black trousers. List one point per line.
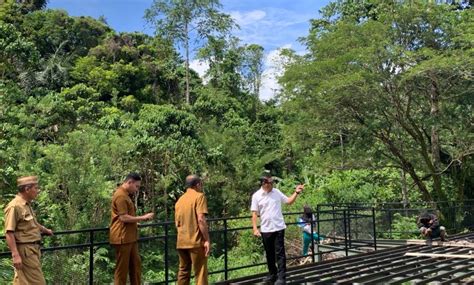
(274, 244)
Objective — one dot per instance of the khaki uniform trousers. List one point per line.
(196, 258)
(30, 273)
(127, 262)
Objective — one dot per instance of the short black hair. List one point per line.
(192, 181)
(426, 217)
(133, 176)
(264, 179)
(307, 215)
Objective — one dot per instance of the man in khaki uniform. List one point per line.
(193, 242)
(23, 233)
(123, 233)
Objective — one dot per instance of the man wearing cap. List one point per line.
(123, 233)
(266, 204)
(23, 233)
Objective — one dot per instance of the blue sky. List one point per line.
(270, 23)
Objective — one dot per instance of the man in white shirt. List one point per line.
(266, 204)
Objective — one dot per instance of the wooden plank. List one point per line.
(440, 243)
(469, 256)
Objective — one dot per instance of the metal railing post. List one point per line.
(91, 257)
(453, 219)
(312, 238)
(319, 232)
(344, 215)
(226, 266)
(390, 222)
(374, 228)
(333, 223)
(349, 232)
(167, 273)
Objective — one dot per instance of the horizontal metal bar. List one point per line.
(384, 262)
(449, 273)
(440, 243)
(340, 248)
(435, 255)
(335, 264)
(426, 273)
(460, 277)
(393, 273)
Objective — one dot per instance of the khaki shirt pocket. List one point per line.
(27, 217)
(27, 229)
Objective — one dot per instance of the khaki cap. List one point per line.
(27, 180)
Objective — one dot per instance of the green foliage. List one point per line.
(378, 87)
(379, 110)
(101, 155)
(153, 263)
(17, 54)
(51, 29)
(6, 272)
(75, 266)
(246, 249)
(181, 21)
(356, 186)
(167, 145)
(404, 227)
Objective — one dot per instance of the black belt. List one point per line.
(38, 242)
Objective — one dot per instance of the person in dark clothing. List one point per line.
(430, 228)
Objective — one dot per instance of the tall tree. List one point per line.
(234, 69)
(397, 79)
(252, 68)
(181, 21)
(32, 5)
(224, 59)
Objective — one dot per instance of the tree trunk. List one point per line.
(435, 144)
(341, 142)
(407, 166)
(154, 88)
(403, 178)
(165, 191)
(186, 47)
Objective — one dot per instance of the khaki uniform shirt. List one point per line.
(121, 232)
(20, 219)
(187, 208)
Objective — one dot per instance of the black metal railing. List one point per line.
(347, 229)
(337, 226)
(398, 220)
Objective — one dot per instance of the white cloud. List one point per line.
(270, 87)
(247, 18)
(273, 69)
(270, 26)
(200, 66)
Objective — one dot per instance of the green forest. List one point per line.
(379, 109)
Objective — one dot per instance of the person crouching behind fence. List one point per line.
(430, 228)
(309, 232)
